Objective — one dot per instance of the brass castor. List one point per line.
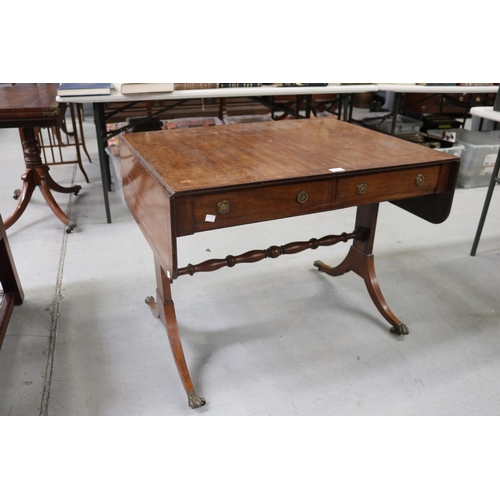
(70, 226)
(400, 329)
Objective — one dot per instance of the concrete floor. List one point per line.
(271, 338)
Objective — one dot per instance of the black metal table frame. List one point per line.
(398, 97)
(493, 182)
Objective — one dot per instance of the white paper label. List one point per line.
(489, 160)
(209, 218)
(449, 136)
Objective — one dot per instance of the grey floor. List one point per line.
(270, 338)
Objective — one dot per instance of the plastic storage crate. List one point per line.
(404, 125)
(477, 158)
(192, 122)
(456, 150)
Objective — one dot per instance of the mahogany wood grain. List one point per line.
(361, 261)
(272, 253)
(254, 154)
(163, 307)
(261, 203)
(25, 102)
(180, 182)
(151, 207)
(27, 106)
(388, 186)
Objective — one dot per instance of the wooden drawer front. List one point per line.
(259, 204)
(386, 186)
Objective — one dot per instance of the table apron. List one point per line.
(203, 212)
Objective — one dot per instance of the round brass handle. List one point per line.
(419, 179)
(223, 207)
(302, 197)
(361, 188)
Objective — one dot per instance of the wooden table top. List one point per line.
(200, 159)
(28, 101)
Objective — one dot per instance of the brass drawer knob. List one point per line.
(361, 188)
(302, 197)
(223, 207)
(419, 179)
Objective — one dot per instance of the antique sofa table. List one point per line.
(180, 182)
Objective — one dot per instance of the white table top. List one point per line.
(485, 112)
(437, 89)
(268, 90)
(265, 90)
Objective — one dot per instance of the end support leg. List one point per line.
(163, 308)
(361, 261)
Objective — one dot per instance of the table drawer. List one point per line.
(259, 204)
(385, 186)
